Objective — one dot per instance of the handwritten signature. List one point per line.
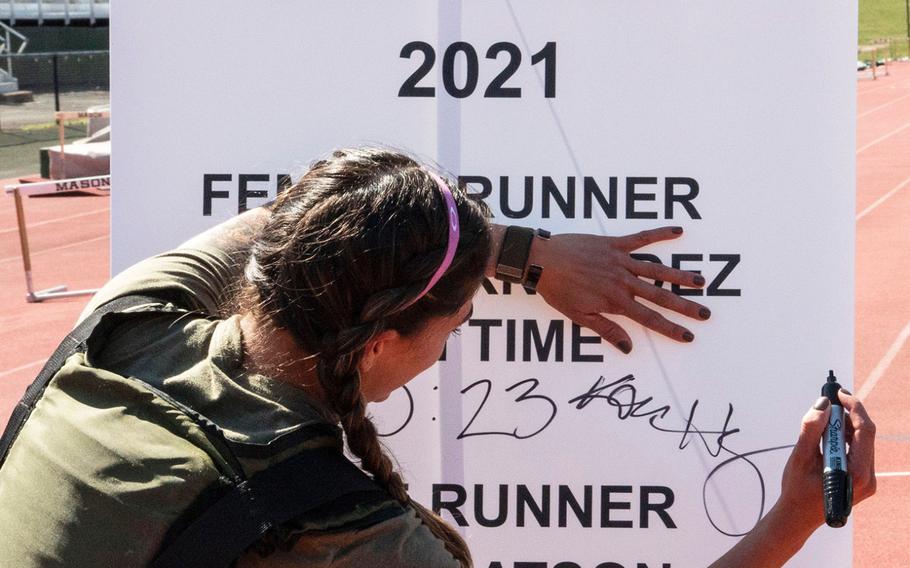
(622, 395)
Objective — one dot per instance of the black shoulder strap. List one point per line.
(250, 507)
(273, 496)
(72, 343)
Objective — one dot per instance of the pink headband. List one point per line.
(454, 231)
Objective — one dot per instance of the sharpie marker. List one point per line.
(838, 487)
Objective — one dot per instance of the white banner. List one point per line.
(546, 446)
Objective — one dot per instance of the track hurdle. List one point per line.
(64, 116)
(96, 185)
(874, 49)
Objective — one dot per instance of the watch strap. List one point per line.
(532, 278)
(514, 254)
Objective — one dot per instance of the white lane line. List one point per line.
(22, 367)
(885, 137)
(57, 220)
(879, 371)
(893, 474)
(879, 107)
(61, 247)
(880, 87)
(882, 199)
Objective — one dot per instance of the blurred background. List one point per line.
(53, 57)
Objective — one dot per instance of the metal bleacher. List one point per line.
(54, 12)
(41, 13)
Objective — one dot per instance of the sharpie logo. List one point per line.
(834, 436)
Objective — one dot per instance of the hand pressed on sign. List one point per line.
(586, 276)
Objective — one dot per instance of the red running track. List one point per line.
(70, 239)
(883, 309)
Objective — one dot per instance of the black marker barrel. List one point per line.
(837, 486)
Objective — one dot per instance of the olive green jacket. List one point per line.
(104, 468)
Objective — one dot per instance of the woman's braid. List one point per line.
(340, 378)
(346, 252)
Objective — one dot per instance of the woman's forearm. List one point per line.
(774, 540)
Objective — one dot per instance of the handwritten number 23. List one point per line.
(524, 396)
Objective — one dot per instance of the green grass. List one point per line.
(19, 149)
(44, 126)
(883, 20)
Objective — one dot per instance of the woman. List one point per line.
(353, 281)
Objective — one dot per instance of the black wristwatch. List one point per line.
(532, 277)
(512, 264)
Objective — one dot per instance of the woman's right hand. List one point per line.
(800, 508)
(801, 485)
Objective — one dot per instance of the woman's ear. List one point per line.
(376, 347)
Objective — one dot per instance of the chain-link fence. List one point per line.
(64, 81)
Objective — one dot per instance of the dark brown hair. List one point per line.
(346, 250)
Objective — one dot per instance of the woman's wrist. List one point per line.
(517, 255)
(788, 527)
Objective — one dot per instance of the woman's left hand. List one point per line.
(586, 276)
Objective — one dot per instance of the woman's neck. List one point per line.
(271, 351)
